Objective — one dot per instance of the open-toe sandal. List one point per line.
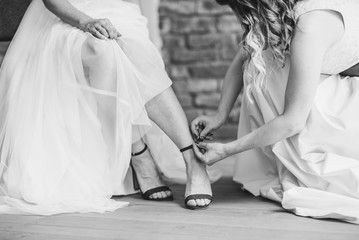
(146, 195)
(196, 196)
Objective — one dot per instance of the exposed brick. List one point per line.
(173, 41)
(178, 7)
(200, 40)
(228, 24)
(197, 24)
(186, 56)
(207, 100)
(206, 85)
(203, 40)
(185, 100)
(165, 25)
(180, 87)
(209, 70)
(193, 113)
(178, 72)
(211, 7)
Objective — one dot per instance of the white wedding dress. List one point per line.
(60, 150)
(314, 173)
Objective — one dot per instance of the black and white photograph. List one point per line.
(179, 119)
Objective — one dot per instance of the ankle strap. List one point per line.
(139, 153)
(186, 148)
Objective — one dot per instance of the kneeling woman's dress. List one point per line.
(70, 108)
(316, 172)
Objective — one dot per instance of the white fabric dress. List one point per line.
(316, 172)
(70, 108)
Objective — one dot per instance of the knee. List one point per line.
(97, 48)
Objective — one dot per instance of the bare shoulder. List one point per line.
(326, 23)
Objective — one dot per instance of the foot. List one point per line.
(148, 176)
(197, 180)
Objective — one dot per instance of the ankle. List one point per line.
(188, 157)
(138, 147)
(140, 151)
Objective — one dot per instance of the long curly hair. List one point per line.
(266, 24)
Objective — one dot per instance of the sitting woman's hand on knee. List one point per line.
(100, 28)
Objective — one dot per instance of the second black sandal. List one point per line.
(196, 196)
(146, 195)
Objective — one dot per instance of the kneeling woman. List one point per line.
(298, 131)
(79, 87)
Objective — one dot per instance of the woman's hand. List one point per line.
(100, 28)
(210, 153)
(203, 126)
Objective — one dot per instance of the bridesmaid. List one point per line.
(298, 131)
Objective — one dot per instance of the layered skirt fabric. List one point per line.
(314, 173)
(71, 106)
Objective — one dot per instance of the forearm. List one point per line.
(270, 133)
(232, 86)
(67, 12)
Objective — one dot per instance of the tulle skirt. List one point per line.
(316, 172)
(70, 108)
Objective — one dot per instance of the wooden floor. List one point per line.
(233, 215)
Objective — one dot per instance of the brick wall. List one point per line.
(200, 39)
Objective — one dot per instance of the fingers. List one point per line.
(206, 131)
(209, 137)
(97, 34)
(194, 125)
(203, 145)
(102, 29)
(111, 30)
(197, 127)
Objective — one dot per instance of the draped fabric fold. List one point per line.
(71, 106)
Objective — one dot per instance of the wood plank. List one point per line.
(234, 214)
(39, 236)
(158, 230)
(276, 221)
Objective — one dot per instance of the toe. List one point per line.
(198, 202)
(207, 201)
(159, 195)
(169, 193)
(163, 195)
(154, 196)
(191, 203)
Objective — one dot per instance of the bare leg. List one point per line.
(164, 110)
(95, 53)
(168, 114)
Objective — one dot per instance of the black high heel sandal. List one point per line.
(146, 195)
(196, 196)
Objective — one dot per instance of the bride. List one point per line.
(298, 132)
(82, 88)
